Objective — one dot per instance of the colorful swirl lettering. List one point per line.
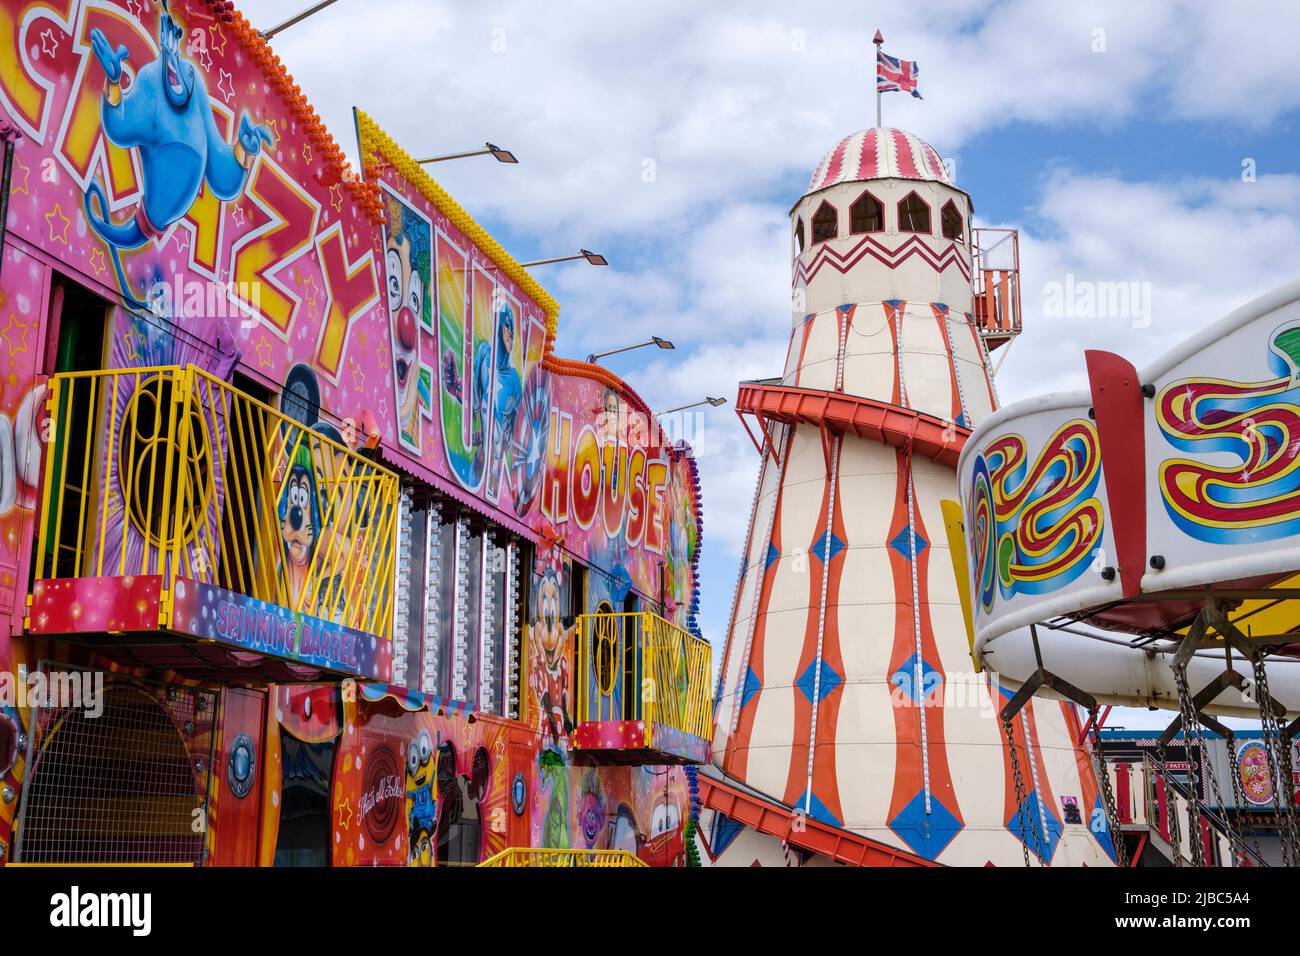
(1251, 497)
(1032, 530)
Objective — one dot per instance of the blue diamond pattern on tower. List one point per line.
(1100, 828)
(902, 542)
(725, 831)
(772, 555)
(905, 680)
(926, 834)
(830, 680)
(818, 548)
(816, 809)
(1035, 837)
(752, 686)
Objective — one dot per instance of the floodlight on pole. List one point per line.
(595, 258)
(715, 402)
(499, 153)
(296, 18)
(654, 340)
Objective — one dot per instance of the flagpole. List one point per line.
(877, 41)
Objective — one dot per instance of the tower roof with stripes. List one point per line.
(879, 153)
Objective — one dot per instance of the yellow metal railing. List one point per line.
(638, 666)
(171, 471)
(525, 856)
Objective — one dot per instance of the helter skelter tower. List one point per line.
(847, 692)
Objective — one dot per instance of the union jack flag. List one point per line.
(893, 74)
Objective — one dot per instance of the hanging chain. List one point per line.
(1239, 795)
(1107, 795)
(1235, 840)
(1277, 761)
(1175, 829)
(1021, 802)
(1191, 734)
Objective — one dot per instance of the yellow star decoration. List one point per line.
(15, 329)
(215, 30)
(306, 152)
(263, 353)
(54, 216)
(97, 261)
(336, 197)
(358, 378)
(15, 187)
(345, 822)
(133, 343)
(273, 124)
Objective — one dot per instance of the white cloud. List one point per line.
(1201, 247)
(730, 103)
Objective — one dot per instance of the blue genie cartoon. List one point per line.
(166, 115)
(509, 393)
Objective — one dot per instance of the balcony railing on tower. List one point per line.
(997, 285)
(174, 502)
(643, 691)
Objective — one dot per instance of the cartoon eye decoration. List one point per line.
(413, 758)
(426, 747)
(415, 295)
(394, 265)
(664, 819)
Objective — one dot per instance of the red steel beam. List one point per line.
(940, 441)
(778, 821)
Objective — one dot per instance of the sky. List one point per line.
(1146, 143)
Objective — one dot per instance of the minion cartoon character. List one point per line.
(548, 677)
(407, 268)
(422, 799)
(299, 521)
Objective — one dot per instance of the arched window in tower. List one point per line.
(913, 214)
(825, 223)
(950, 221)
(799, 242)
(866, 215)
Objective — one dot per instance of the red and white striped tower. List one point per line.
(848, 696)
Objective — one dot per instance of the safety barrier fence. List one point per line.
(524, 856)
(637, 666)
(171, 471)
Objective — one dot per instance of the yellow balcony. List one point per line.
(642, 691)
(523, 856)
(176, 506)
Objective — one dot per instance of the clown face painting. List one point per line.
(408, 239)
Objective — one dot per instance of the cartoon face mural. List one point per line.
(422, 798)
(663, 839)
(165, 115)
(299, 521)
(590, 810)
(308, 516)
(548, 658)
(408, 241)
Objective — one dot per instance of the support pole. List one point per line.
(878, 41)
